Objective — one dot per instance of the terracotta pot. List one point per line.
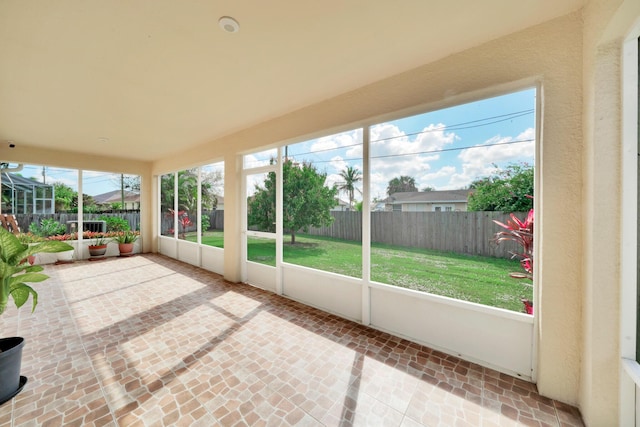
(31, 259)
(97, 250)
(125, 249)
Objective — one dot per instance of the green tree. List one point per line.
(188, 190)
(64, 196)
(401, 184)
(67, 199)
(506, 190)
(351, 177)
(212, 184)
(307, 201)
(166, 192)
(88, 204)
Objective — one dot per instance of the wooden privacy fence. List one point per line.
(460, 232)
(25, 220)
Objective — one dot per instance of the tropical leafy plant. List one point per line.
(99, 239)
(115, 223)
(205, 222)
(29, 238)
(47, 227)
(521, 232)
(183, 222)
(125, 237)
(15, 270)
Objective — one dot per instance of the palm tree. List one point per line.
(401, 184)
(351, 176)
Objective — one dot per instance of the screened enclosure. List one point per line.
(22, 195)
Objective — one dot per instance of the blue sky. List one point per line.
(94, 182)
(446, 149)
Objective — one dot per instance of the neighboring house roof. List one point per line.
(447, 196)
(115, 196)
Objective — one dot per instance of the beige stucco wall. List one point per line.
(607, 23)
(550, 53)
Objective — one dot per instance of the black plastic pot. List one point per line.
(10, 361)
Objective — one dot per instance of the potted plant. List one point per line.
(521, 232)
(98, 246)
(64, 257)
(15, 273)
(28, 239)
(125, 241)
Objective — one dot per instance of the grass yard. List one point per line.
(210, 238)
(483, 280)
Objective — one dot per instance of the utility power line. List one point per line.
(457, 126)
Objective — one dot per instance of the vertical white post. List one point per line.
(366, 229)
(244, 227)
(199, 214)
(279, 222)
(629, 230)
(175, 215)
(80, 214)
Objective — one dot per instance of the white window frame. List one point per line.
(630, 378)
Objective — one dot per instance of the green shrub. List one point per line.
(115, 223)
(206, 224)
(47, 227)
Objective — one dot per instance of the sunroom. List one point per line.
(165, 92)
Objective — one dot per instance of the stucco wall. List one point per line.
(607, 23)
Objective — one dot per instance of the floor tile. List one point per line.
(150, 341)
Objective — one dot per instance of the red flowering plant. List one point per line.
(521, 232)
(183, 221)
(63, 237)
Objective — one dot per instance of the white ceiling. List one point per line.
(157, 76)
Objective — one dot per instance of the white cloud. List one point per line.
(344, 139)
(481, 159)
(388, 145)
(260, 159)
(394, 153)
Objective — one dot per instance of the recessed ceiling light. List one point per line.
(229, 24)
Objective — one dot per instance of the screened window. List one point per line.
(167, 209)
(322, 193)
(212, 202)
(477, 157)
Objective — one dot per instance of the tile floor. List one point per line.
(150, 341)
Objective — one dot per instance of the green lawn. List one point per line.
(478, 279)
(210, 238)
